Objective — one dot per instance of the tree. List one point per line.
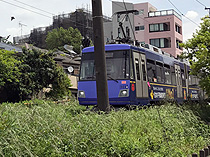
(199, 54)
(9, 71)
(57, 38)
(24, 76)
(9, 74)
(38, 71)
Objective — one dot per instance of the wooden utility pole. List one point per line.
(100, 59)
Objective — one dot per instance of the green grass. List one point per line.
(45, 128)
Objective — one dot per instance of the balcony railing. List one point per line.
(164, 13)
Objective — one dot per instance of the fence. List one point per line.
(203, 152)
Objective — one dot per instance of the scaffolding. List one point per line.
(80, 19)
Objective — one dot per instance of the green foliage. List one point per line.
(60, 84)
(39, 70)
(23, 77)
(57, 38)
(199, 54)
(8, 67)
(45, 128)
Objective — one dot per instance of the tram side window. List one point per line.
(137, 69)
(198, 81)
(183, 78)
(151, 72)
(159, 67)
(144, 70)
(167, 74)
(194, 80)
(173, 76)
(189, 78)
(131, 69)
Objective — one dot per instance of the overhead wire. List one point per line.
(25, 9)
(182, 13)
(37, 12)
(34, 7)
(201, 3)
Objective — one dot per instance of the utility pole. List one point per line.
(209, 10)
(100, 60)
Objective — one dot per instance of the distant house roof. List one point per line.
(9, 47)
(65, 58)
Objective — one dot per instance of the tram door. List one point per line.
(178, 81)
(187, 79)
(140, 75)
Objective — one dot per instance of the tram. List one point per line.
(137, 76)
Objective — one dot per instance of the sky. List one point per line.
(28, 17)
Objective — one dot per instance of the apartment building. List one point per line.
(146, 24)
(80, 19)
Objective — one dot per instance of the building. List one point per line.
(144, 23)
(80, 19)
(10, 47)
(71, 66)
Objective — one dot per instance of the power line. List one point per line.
(182, 13)
(38, 12)
(34, 7)
(201, 3)
(204, 6)
(26, 9)
(175, 7)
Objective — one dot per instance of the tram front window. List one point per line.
(117, 65)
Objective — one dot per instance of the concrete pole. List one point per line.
(100, 59)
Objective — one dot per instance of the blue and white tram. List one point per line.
(136, 76)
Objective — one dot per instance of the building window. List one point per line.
(178, 29)
(127, 32)
(140, 12)
(139, 28)
(159, 27)
(142, 43)
(160, 42)
(112, 35)
(118, 32)
(177, 44)
(118, 17)
(136, 13)
(126, 17)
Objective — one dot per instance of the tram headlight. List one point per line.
(123, 93)
(81, 94)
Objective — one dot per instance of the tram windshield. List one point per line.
(117, 65)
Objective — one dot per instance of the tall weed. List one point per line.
(47, 128)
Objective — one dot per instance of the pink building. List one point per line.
(162, 29)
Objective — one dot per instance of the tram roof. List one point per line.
(150, 54)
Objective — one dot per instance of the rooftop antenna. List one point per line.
(21, 26)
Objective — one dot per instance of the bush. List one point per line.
(47, 128)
